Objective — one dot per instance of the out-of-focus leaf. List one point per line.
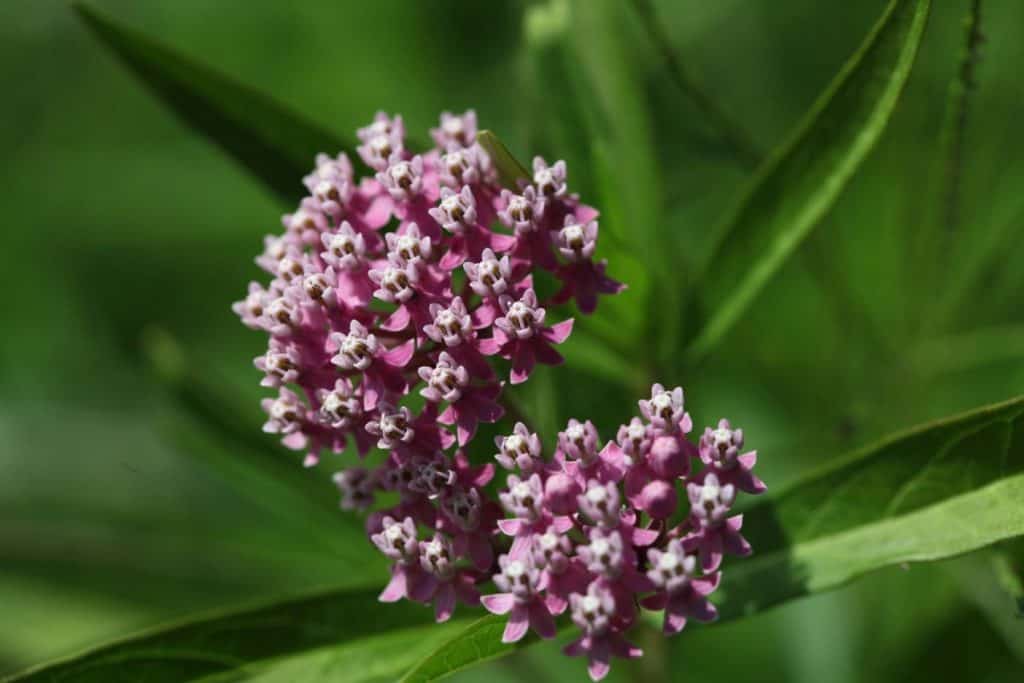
(275, 144)
(969, 350)
(937, 491)
(738, 139)
(609, 86)
(510, 170)
(1008, 566)
(934, 235)
(991, 582)
(801, 180)
(243, 455)
(230, 642)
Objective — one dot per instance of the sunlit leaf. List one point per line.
(275, 144)
(801, 180)
(938, 491)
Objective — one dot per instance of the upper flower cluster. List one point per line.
(410, 278)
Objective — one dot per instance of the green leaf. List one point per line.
(510, 169)
(242, 454)
(237, 641)
(802, 179)
(477, 643)
(937, 491)
(275, 144)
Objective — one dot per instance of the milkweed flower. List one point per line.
(399, 305)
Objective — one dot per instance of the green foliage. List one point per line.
(798, 184)
(237, 641)
(936, 492)
(273, 143)
(136, 487)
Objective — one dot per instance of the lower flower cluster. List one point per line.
(599, 531)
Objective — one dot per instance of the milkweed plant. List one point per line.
(417, 281)
(413, 289)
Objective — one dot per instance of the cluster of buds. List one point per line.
(405, 282)
(402, 285)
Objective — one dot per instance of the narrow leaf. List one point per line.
(274, 143)
(248, 458)
(510, 169)
(233, 641)
(731, 132)
(802, 179)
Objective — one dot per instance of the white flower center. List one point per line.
(668, 562)
(662, 401)
(514, 443)
(597, 495)
(710, 493)
(599, 546)
(515, 569)
(590, 604)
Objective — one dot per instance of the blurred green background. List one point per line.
(120, 219)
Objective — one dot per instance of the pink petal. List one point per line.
(484, 475)
(541, 620)
(399, 356)
(561, 524)
(599, 665)
(397, 321)
(510, 527)
(395, 590)
(674, 621)
(556, 604)
(576, 647)
(547, 354)
(517, 626)
(644, 537)
(454, 257)
(522, 364)
(379, 212)
(491, 346)
(296, 441)
(481, 552)
(559, 332)
(501, 242)
(584, 214)
(498, 603)
(444, 602)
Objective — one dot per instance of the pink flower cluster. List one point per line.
(402, 279)
(399, 287)
(599, 530)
